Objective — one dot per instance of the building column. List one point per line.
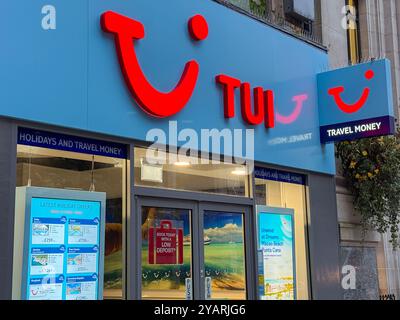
(323, 238)
(8, 150)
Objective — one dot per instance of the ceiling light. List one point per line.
(239, 172)
(182, 163)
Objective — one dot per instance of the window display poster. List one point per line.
(165, 243)
(276, 241)
(63, 257)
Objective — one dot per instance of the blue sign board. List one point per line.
(279, 175)
(356, 102)
(52, 140)
(70, 76)
(63, 254)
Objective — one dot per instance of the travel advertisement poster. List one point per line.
(64, 248)
(276, 240)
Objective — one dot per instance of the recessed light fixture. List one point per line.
(182, 163)
(239, 171)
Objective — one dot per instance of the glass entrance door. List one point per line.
(192, 250)
(166, 254)
(224, 258)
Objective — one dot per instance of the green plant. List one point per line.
(371, 168)
(258, 7)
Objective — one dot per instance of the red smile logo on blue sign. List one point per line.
(356, 102)
(156, 103)
(161, 104)
(351, 108)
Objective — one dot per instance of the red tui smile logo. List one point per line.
(351, 108)
(156, 103)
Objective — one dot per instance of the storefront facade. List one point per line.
(81, 112)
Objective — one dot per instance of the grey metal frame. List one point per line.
(189, 195)
(175, 199)
(8, 163)
(50, 193)
(176, 204)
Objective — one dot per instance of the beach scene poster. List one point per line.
(224, 254)
(275, 236)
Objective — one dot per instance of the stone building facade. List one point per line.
(377, 27)
(352, 31)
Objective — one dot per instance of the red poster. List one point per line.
(165, 244)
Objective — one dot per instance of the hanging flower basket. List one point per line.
(371, 168)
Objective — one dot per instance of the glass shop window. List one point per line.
(159, 169)
(42, 167)
(278, 189)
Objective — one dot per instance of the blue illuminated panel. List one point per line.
(63, 254)
(71, 76)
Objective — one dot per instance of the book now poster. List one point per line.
(276, 241)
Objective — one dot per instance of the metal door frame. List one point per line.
(134, 245)
(135, 250)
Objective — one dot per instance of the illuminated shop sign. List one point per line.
(123, 70)
(339, 119)
(161, 104)
(279, 175)
(57, 141)
(356, 102)
(202, 71)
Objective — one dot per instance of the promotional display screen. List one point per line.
(64, 249)
(276, 241)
